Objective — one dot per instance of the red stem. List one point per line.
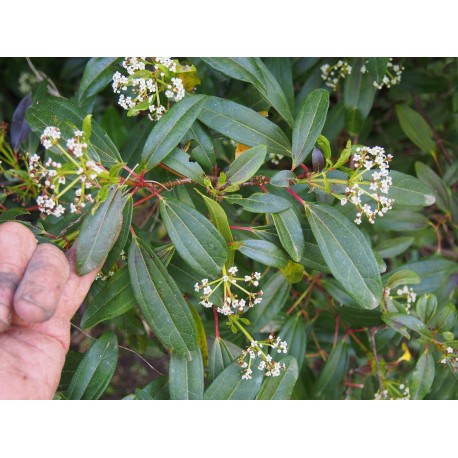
(263, 188)
(139, 202)
(242, 228)
(299, 199)
(215, 314)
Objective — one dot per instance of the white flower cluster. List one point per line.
(275, 158)
(331, 74)
(231, 303)
(145, 87)
(405, 293)
(366, 159)
(266, 362)
(450, 357)
(49, 176)
(392, 75)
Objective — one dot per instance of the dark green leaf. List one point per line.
(294, 332)
(281, 387)
(260, 202)
(399, 320)
(161, 301)
(195, 238)
(358, 97)
(308, 124)
(290, 232)
(204, 153)
(115, 298)
(179, 161)
(221, 356)
(329, 384)
(275, 295)
(426, 307)
(376, 66)
(274, 94)
(402, 277)
(186, 378)
(114, 125)
(281, 68)
(96, 369)
(229, 385)
(415, 127)
(244, 125)
(393, 246)
(422, 377)
(283, 179)
(402, 220)
(409, 191)
(264, 252)
(120, 243)
(433, 181)
(246, 165)
(171, 129)
(97, 75)
(347, 253)
(444, 319)
(240, 68)
(99, 233)
(56, 111)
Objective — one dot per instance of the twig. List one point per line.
(377, 362)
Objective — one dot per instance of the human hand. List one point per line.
(40, 291)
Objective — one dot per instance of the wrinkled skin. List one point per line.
(40, 291)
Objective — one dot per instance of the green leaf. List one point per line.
(376, 66)
(347, 253)
(409, 191)
(120, 243)
(399, 320)
(96, 77)
(415, 127)
(171, 129)
(281, 387)
(204, 153)
(444, 319)
(229, 384)
(426, 307)
(433, 181)
(324, 146)
(96, 369)
(61, 113)
(221, 356)
(281, 69)
(394, 246)
(99, 233)
(423, 376)
(329, 384)
(179, 161)
(434, 273)
(275, 295)
(115, 298)
(290, 232)
(402, 220)
(274, 94)
(186, 378)
(294, 332)
(308, 124)
(219, 218)
(240, 68)
(260, 202)
(358, 97)
(201, 335)
(283, 179)
(195, 238)
(264, 252)
(114, 125)
(246, 165)
(161, 301)
(244, 125)
(294, 272)
(402, 277)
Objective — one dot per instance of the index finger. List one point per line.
(17, 245)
